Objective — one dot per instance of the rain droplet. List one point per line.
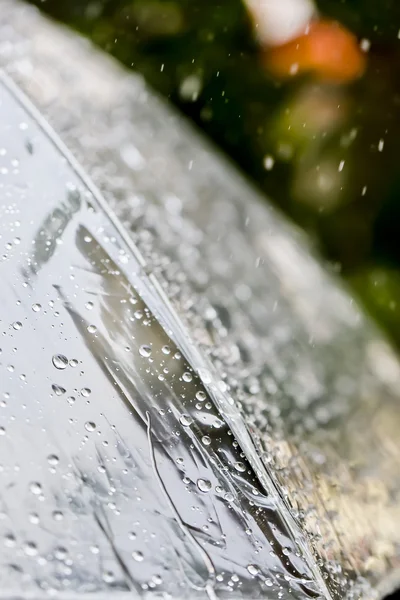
(61, 553)
(239, 466)
(138, 556)
(201, 396)
(58, 515)
(60, 361)
(36, 307)
(58, 390)
(90, 426)
(30, 548)
(86, 392)
(9, 540)
(89, 305)
(53, 459)
(185, 420)
(35, 488)
(2, 431)
(166, 350)
(34, 518)
(73, 362)
(229, 497)
(206, 440)
(108, 577)
(145, 351)
(204, 485)
(17, 325)
(187, 377)
(252, 569)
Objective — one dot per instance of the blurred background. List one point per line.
(322, 142)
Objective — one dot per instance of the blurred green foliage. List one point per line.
(326, 155)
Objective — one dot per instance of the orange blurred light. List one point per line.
(327, 49)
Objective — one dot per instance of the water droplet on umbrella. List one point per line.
(90, 426)
(9, 540)
(58, 390)
(239, 466)
(185, 420)
(30, 548)
(252, 569)
(138, 556)
(145, 351)
(204, 485)
(60, 361)
(34, 518)
(35, 488)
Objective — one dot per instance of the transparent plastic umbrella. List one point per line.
(191, 406)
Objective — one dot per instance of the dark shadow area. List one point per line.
(394, 596)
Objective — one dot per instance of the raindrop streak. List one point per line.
(60, 361)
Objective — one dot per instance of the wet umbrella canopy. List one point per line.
(190, 406)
